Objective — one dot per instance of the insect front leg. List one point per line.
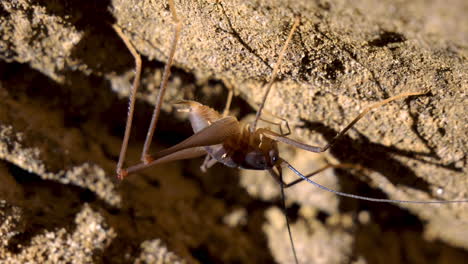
(208, 163)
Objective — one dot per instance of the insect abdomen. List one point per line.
(200, 115)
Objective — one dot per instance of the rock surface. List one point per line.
(65, 77)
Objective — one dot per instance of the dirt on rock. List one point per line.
(65, 78)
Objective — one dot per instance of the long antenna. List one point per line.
(359, 197)
(275, 72)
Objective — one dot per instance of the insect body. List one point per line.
(222, 139)
(242, 149)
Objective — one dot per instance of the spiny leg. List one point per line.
(275, 72)
(131, 102)
(316, 149)
(145, 157)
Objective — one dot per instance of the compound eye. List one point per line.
(273, 156)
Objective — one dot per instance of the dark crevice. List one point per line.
(306, 66)
(47, 205)
(387, 37)
(81, 13)
(202, 254)
(334, 69)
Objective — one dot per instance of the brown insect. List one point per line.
(222, 138)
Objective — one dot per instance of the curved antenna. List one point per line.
(354, 196)
(275, 72)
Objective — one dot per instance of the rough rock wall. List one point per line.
(65, 77)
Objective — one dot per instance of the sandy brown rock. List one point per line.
(65, 77)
